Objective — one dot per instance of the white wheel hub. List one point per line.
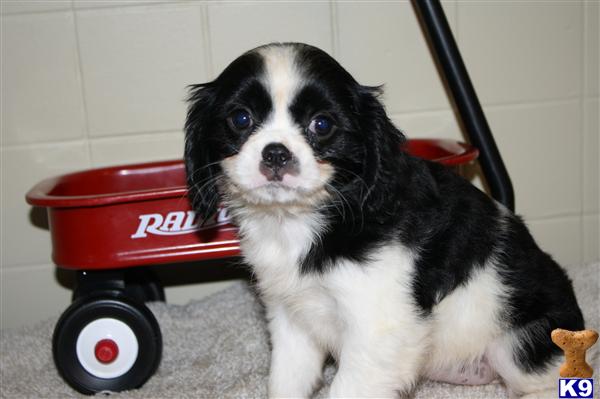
(107, 329)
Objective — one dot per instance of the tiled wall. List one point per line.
(93, 83)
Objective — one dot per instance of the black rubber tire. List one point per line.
(88, 309)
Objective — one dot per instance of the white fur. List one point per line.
(383, 342)
(464, 324)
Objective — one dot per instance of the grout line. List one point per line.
(86, 124)
(554, 217)
(591, 213)
(135, 133)
(592, 96)
(26, 266)
(334, 25)
(583, 115)
(3, 180)
(92, 139)
(531, 103)
(589, 10)
(55, 143)
(34, 12)
(519, 104)
(109, 5)
(207, 41)
(101, 4)
(138, 135)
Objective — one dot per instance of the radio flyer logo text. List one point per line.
(177, 222)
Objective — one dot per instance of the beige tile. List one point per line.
(592, 43)
(137, 62)
(30, 294)
(82, 4)
(522, 51)
(381, 43)
(591, 238)
(433, 124)
(25, 240)
(29, 6)
(541, 147)
(591, 167)
(560, 237)
(134, 149)
(236, 27)
(41, 93)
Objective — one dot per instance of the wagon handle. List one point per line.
(446, 51)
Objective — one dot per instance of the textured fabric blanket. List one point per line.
(218, 348)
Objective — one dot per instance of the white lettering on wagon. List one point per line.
(177, 222)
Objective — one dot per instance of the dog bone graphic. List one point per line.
(574, 344)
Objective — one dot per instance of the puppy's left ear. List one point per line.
(382, 147)
(202, 170)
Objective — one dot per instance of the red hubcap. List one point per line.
(106, 351)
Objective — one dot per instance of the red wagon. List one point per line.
(105, 221)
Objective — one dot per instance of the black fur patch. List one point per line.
(541, 299)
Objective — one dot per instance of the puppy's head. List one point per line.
(285, 125)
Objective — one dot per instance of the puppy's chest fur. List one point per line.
(275, 244)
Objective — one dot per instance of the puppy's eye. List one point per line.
(321, 125)
(240, 119)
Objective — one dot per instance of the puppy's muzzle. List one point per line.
(276, 161)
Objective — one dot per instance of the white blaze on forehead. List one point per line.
(283, 80)
(282, 77)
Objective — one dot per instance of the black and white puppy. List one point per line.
(395, 266)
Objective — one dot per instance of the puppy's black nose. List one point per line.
(276, 155)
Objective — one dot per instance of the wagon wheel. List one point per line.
(106, 343)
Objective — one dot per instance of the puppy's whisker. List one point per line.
(342, 201)
(194, 172)
(357, 177)
(341, 204)
(199, 190)
(195, 185)
(204, 182)
(353, 219)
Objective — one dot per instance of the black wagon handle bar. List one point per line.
(446, 51)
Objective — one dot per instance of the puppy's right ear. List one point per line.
(201, 166)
